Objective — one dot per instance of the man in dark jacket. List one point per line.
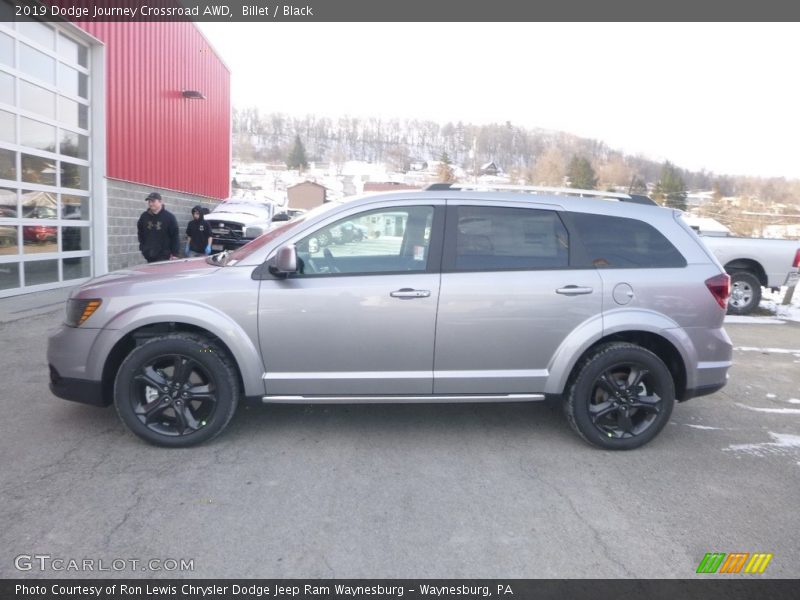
(198, 234)
(159, 238)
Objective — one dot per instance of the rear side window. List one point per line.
(496, 238)
(621, 243)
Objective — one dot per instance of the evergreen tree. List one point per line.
(670, 189)
(581, 174)
(445, 172)
(297, 157)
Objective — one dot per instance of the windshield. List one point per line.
(225, 258)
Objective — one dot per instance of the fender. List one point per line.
(612, 322)
(230, 332)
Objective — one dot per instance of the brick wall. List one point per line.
(126, 202)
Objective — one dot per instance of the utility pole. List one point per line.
(475, 159)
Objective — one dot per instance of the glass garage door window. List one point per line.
(45, 149)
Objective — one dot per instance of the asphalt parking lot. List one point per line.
(446, 491)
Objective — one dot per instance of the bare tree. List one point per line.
(550, 168)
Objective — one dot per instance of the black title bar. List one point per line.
(403, 10)
(706, 588)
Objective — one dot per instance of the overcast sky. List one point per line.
(724, 97)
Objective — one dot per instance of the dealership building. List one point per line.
(93, 117)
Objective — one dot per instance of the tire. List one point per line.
(323, 239)
(745, 293)
(614, 416)
(181, 411)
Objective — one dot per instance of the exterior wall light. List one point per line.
(193, 95)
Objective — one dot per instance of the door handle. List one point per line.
(408, 293)
(574, 290)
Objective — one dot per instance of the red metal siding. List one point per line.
(155, 136)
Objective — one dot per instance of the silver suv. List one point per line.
(609, 305)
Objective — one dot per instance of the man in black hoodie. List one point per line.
(198, 234)
(159, 238)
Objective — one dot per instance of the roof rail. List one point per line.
(538, 189)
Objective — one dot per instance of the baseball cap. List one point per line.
(154, 196)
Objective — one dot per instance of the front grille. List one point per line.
(225, 230)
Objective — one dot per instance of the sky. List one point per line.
(724, 97)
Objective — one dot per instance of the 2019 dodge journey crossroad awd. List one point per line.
(610, 305)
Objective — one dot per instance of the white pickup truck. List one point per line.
(752, 263)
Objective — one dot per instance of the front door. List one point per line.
(359, 320)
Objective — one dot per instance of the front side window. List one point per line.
(388, 240)
(623, 243)
(499, 238)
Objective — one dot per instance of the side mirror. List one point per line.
(285, 261)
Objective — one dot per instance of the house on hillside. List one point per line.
(489, 168)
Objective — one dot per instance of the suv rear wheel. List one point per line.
(176, 390)
(620, 397)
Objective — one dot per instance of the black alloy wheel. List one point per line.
(176, 390)
(621, 397)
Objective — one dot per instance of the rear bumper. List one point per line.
(703, 391)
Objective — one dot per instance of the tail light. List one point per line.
(796, 262)
(720, 288)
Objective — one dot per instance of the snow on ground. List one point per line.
(783, 443)
(773, 311)
(773, 302)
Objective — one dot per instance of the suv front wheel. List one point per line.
(176, 390)
(620, 397)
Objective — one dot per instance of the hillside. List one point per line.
(534, 156)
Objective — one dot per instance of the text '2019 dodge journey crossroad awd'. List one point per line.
(612, 306)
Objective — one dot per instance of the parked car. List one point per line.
(754, 263)
(8, 236)
(611, 307)
(39, 234)
(348, 232)
(237, 221)
(287, 214)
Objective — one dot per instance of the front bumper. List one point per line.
(72, 377)
(77, 390)
(220, 244)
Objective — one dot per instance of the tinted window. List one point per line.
(508, 238)
(617, 242)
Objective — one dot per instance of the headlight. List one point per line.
(251, 232)
(79, 310)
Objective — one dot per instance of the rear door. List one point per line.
(508, 299)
